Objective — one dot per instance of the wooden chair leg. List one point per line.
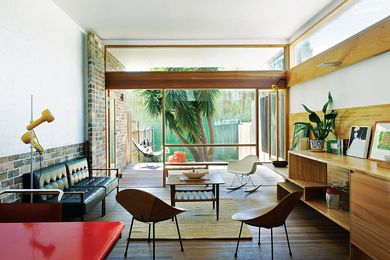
(103, 207)
(288, 242)
(238, 241)
(178, 232)
(128, 239)
(272, 245)
(259, 237)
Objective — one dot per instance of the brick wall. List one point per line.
(97, 97)
(14, 166)
(96, 103)
(112, 64)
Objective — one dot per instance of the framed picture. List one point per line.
(381, 141)
(359, 139)
(300, 130)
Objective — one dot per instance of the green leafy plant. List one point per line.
(323, 127)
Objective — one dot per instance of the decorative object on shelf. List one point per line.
(380, 147)
(343, 146)
(332, 198)
(323, 127)
(359, 138)
(301, 130)
(332, 146)
(195, 174)
(279, 163)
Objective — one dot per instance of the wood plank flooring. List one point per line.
(312, 236)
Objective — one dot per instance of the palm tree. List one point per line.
(185, 111)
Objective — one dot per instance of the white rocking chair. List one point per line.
(242, 170)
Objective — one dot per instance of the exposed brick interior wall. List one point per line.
(97, 106)
(96, 103)
(14, 166)
(112, 64)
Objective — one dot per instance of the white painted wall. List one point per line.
(363, 84)
(41, 53)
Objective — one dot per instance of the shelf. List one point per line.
(282, 171)
(289, 187)
(338, 216)
(308, 184)
(365, 166)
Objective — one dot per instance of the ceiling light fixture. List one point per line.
(330, 63)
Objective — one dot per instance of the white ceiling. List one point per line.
(196, 21)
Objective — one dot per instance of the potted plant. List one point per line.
(323, 127)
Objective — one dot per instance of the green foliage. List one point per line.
(323, 127)
(185, 111)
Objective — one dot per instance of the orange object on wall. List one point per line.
(178, 156)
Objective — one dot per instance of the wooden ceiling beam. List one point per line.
(195, 80)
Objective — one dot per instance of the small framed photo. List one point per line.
(380, 147)
(359, 139)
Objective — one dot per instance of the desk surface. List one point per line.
(214, 178)
(58, 240)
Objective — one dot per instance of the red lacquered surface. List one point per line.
(58, 240)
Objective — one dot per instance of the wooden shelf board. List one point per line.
(338, 216)
(283, 171)
(308, 184)
(289, 186)
(347, 162)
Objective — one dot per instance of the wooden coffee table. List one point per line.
(199, 192)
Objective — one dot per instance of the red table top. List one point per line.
(58, 240)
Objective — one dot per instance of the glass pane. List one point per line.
(210, 116)
(357, 17)
(112, 133)
(264, 133)
(198, 59)
(281, 129)
(273, 125)
(221, 154)
(145, 122)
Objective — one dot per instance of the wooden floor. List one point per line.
(312, 236)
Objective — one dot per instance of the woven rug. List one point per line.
(198, 222)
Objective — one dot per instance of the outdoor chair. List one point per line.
(147, 208)
(269, 217)
(146, 149)
(242, 171)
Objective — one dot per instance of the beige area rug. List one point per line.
(198, 222)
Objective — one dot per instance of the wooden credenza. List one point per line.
(369, 217)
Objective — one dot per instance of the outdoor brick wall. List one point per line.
(14, 166)
(96, 103)
(112, 64)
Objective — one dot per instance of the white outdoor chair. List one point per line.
(242, 170)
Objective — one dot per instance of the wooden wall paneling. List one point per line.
(195, 80)
(370, 215)
(301, 168)
(368, 43)
(347, 118)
